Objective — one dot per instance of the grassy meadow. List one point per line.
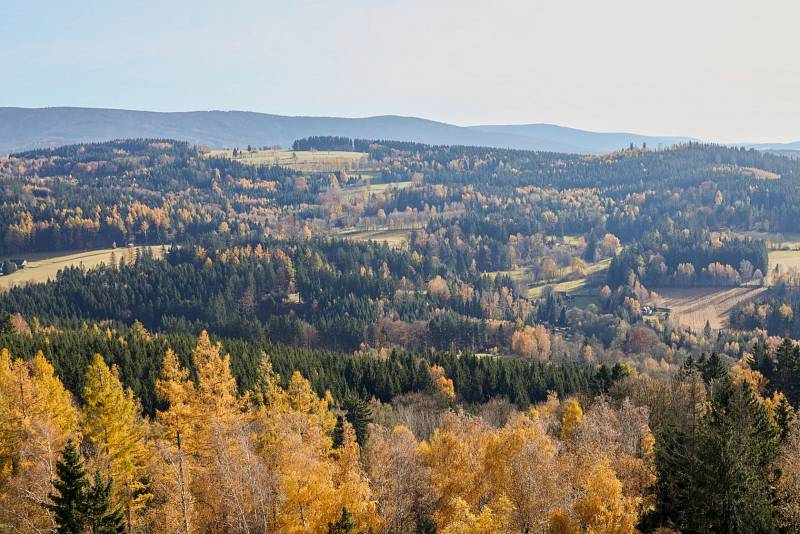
(42, 267)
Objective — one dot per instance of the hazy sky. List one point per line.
(720, 70)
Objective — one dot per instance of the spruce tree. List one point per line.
(345, 524)
(784, 417)
(359, 415)
(338, 432)
(788, 370)
(68, 499)
(426, 526)
(101, 516)
(714, 368)
(715, 468)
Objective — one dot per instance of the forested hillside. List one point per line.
(361, 335)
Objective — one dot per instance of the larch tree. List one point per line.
(172, 480)
(351, 482)
(215, 457)
(37, 417)
(113, 424)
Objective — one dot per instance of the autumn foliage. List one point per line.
(218, 460)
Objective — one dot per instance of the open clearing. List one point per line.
(353, 191)
(573, 287)
(44, 266)
(393, 238)
(786, 259)
(693, 306)
(302, 160)
(775, 240)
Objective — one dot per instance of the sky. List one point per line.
(726, 71)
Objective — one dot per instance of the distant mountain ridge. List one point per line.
(27, 128)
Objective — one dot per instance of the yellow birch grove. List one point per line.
(215, 460)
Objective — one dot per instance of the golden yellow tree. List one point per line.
(228, 484)
(521, 464)
(492, 519)
(604, 509)
(352, 484)
(300, 449)
(442, 384)
(37, 417)
(455, 457)
(113, 423)
(572, 417)
(174, 511)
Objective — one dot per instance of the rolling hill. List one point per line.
(26, 128)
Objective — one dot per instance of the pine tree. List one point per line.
(68, 500)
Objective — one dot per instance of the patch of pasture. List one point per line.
(43, 266)
(784, 259)
(302, 160)
(393, 238)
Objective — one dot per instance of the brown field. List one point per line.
(312, 160)
(44, 266)
(693, 306)
(786, 259)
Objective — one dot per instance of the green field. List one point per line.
(372, 188)
(775, 240)
(577, 287)
(44, 266)
(311, 160)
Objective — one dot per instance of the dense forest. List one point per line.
(376, 336)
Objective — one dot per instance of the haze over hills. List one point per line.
(26, 128)
(582, 140)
